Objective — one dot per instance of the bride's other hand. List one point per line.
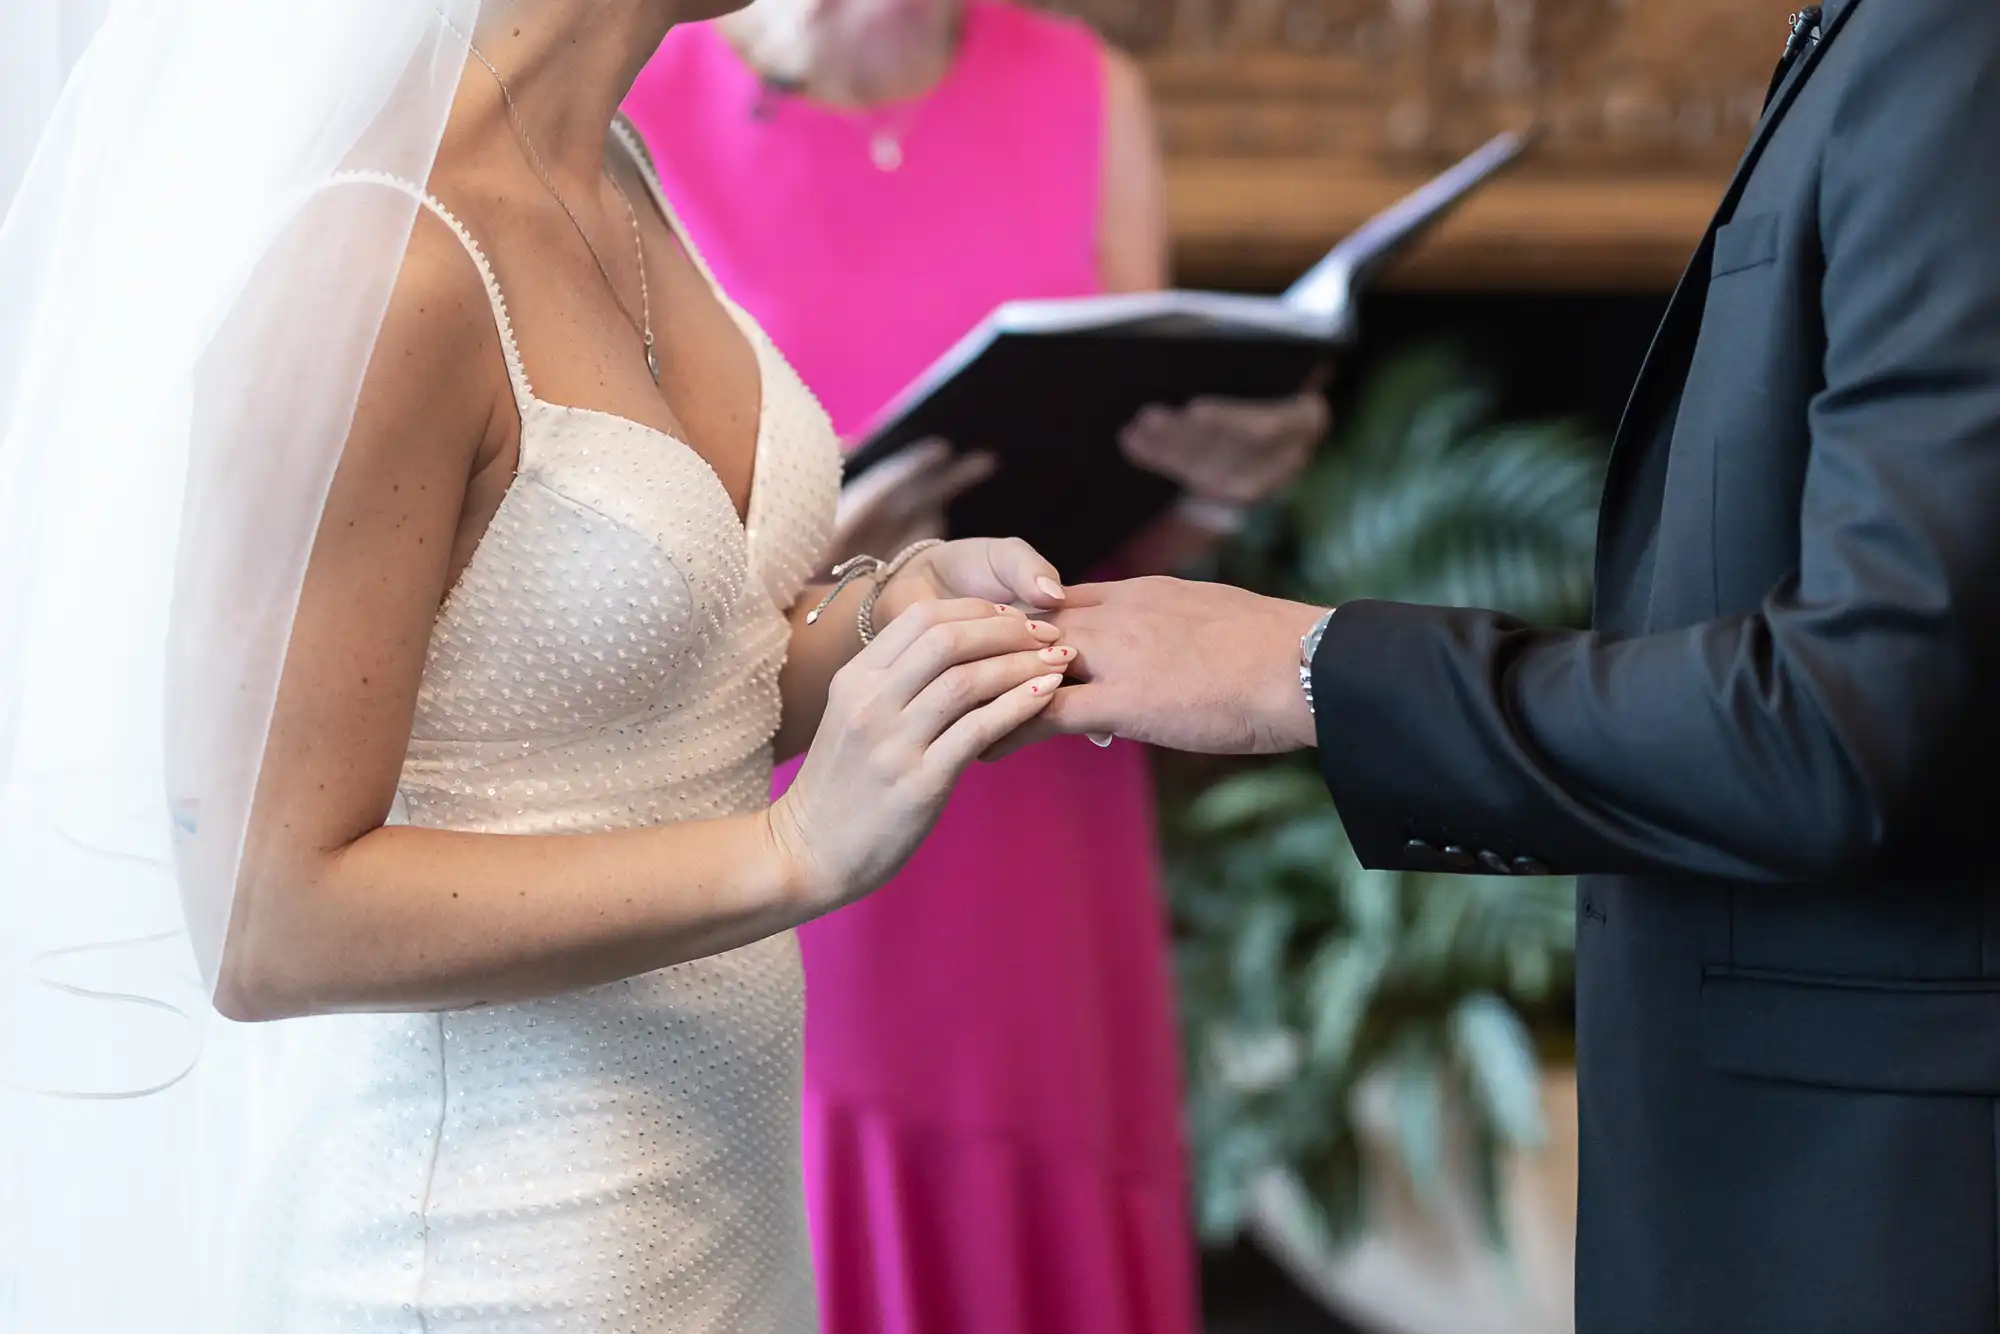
(992, 569)
(1227, 451)
(945, 682)
(903, 499)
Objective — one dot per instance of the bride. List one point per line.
(468, 757)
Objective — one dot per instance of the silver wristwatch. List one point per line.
(1308, 650)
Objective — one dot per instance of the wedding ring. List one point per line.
(1102, 742)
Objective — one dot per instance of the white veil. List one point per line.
(39, 42)
(187, 306)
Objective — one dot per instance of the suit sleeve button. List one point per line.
(1529, 866)
(1494, 862)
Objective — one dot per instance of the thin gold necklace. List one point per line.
(641, 324)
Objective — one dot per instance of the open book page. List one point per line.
(1318, 309)
(1208, 312)
(1315, 306)
(1328, 289)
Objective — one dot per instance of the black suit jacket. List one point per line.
(1773, 759)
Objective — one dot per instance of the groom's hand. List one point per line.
(1189, 666)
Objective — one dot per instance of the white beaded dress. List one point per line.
(623, 1160)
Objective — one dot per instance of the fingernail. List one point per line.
(1051, 588)
(1062, 653)
(1042, 685)
(1043, 630)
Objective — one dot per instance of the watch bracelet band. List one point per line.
(1308, 650)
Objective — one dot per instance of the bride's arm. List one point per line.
(336, 912)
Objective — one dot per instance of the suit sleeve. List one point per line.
(1848, 725)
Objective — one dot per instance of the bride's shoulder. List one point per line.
(437, 373)
(442, 294)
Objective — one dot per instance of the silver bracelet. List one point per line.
(845, 573)
(862, 567)
(864, 620)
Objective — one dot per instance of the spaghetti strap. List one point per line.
(517, 372)
(642, 158)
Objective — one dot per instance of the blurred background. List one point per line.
(1380, 1087)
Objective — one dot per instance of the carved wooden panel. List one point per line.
(1288, 121)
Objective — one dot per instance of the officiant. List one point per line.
(992, 1138)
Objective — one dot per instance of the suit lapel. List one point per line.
(1672, 344)
(1832, 16)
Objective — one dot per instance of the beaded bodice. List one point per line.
(610, 656)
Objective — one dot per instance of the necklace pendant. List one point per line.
(885, 150)
(653, 360)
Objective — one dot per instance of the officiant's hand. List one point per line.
(1189, 666)
(1229, 451)
(903, 499)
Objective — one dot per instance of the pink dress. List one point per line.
(992, 1116)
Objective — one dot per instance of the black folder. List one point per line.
(1047, 386)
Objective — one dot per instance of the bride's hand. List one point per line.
(941, 685)
(992, 569)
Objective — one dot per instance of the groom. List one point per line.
(1773, 761)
